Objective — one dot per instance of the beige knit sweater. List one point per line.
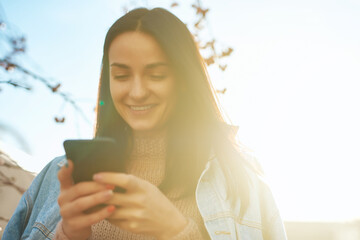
(147, 161)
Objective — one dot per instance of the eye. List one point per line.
(121, 77)
(158, 77)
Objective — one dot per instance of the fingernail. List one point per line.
(66, 164)
(108, 193)
(97, 177)
(111, 208)
(109, 186)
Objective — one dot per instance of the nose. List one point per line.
(138, 90)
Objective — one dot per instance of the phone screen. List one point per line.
(93, 156)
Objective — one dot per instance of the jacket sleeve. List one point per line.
(273, 226)
(20, 219)
(17, 223)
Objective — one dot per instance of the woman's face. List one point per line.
(141, 81)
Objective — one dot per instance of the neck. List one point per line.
(149, 146)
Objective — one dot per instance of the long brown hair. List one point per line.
(196, 127)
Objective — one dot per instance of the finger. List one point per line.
(87, 220)
(132, 226)
(127, 214)
(79, 190)
(127, 200)
(84, 203)
(126, 181)
(64, 175)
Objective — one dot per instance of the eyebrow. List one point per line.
(152, 65)
(120, 65)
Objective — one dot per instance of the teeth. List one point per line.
(141, 108)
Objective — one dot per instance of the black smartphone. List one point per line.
(93, 156)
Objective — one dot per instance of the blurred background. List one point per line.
(289, 78)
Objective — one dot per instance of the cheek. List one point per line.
(117, 93)
(169, 96)
(112, 90)
(167, 90)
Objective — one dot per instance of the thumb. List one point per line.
(64, 175)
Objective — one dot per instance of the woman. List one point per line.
(185, 176)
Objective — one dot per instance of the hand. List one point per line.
(143, 208)
(75, 199)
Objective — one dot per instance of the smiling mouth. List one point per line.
(142, 108)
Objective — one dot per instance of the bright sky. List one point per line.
(293, 83)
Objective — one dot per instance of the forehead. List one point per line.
(135, 47)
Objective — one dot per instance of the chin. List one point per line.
(142, 127)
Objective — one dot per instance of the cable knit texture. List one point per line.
(147, 161)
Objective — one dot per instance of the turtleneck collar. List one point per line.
(149, 147)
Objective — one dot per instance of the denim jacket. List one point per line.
(37, 214)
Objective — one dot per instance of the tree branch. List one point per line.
(15, 84)
(54, 89)
(4, 219)
(10, 182)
